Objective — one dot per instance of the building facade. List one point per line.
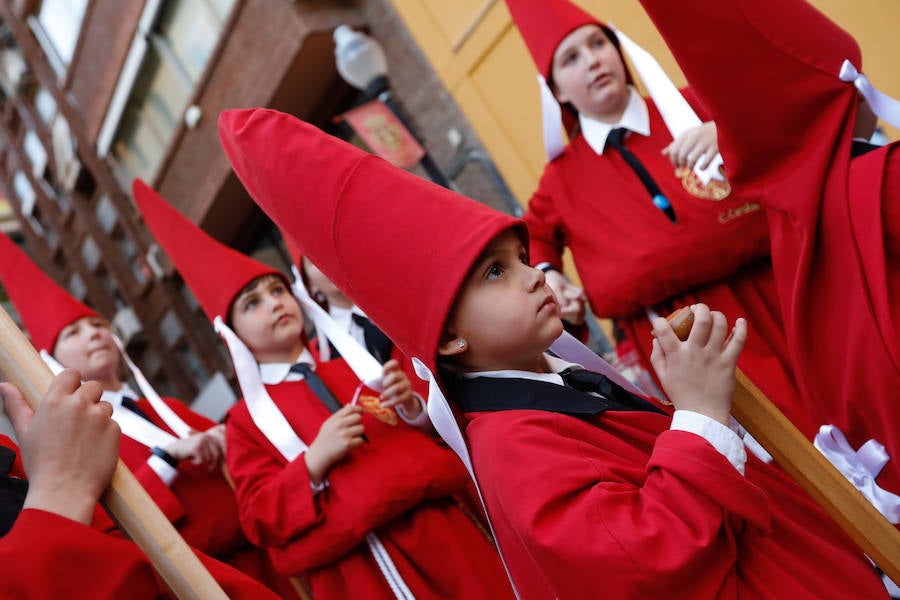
(96, 92)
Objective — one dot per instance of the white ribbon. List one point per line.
(445, 424)
(674, 109)
(273, 424)
(885, 108)
(55, 366)
(366, 367)
(169, 417)
(860, 467)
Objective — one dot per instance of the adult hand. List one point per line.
(69, 445)
(571, 298)
(695, 147)
(339, 434)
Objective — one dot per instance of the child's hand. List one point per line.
(398, 390)
(695, 146)
(338, 435)
(201, 447)
(698, 374)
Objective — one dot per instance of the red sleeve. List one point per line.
(752, 53)
(546, 229)
(365, 491)
(85, 563)
(275, 499)
(596, 518)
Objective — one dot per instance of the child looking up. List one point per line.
(592, 490)
(357, 502)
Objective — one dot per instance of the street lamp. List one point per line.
(361, 63)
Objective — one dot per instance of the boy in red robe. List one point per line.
(358, 502)
(69, 446)
(592, 490)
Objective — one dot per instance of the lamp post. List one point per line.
(361, 63)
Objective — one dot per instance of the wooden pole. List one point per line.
(126, 501)
(801, 460)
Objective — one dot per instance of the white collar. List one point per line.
(636, 118)
(275, 373)
(115, 397)
(556, 365)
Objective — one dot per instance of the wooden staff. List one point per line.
(801, 460)
(125, 500)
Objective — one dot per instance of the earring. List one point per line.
(461, 344)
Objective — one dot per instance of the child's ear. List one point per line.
(451, 345)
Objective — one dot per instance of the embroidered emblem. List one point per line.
(715, 190)
(737, 211)
(372, 405)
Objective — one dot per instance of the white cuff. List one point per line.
(166, 472)
(724, 439)
(421, 420)
(545, 266)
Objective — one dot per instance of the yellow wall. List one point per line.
(483, 62)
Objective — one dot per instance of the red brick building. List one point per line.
(96, 92)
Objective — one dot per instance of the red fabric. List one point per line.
(200, 503)
(836, 273)
(346, 222)
(44, 307)
(399, 484)
(629, 254)
(55, 557)
(620, 507)
(543, 25)
(214, 272)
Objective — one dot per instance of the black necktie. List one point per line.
(318, 386)
(378, 344)
(616, 140)
(589, 381)
(12, 491)
(133, 407)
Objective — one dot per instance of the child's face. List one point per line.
(505, 314)
(267, 318)
(87, 346)
(589, 73)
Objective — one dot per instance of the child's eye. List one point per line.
(250, 304)
(598, 43)
(494, 271)
(277, 290)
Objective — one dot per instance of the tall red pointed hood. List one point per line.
(214, 272)
(397, 245)
(544, 24)
(44, 307)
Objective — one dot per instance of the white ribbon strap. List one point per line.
(169, 417)
(885, 108)
(272, 423)
(262, 409)
(355, 354)
(55, 367)
(674, 109)
(445, 424)
(140, 429)
(569, 348)
(860, 468)
(551, 121)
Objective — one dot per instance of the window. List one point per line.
(45, 105)
(175, 56)
(57, 28)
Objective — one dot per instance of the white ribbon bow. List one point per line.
(885, 108)
(860, 468)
